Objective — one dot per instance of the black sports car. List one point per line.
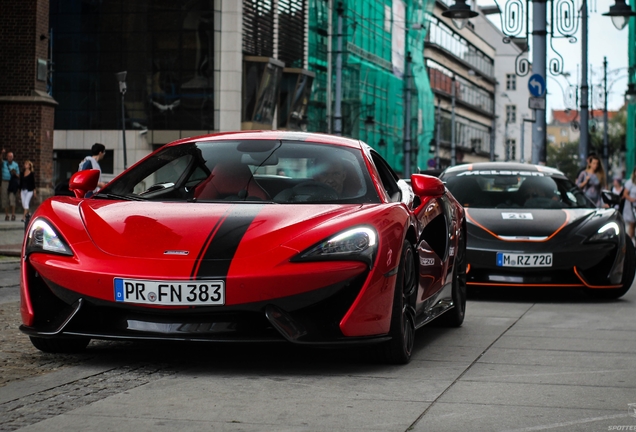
(529, 226)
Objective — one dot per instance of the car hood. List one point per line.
(526, 224)
(199, 230)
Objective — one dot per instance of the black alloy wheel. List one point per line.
(400, 348)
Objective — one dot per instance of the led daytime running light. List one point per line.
(608, 226)
(350, 241)
(359, 244)
(609, 231)
(42, 237)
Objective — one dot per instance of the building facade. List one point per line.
(461, 68)
(382, 44)
(26, 109)
(204, 66)
(511, 93)
(564, 125)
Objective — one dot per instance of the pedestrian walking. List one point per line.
(27, 187)
(592, 180)
(629, 213)
(98, 151)
(10, 184)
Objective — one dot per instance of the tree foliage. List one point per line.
(565, 158)
(616, 136)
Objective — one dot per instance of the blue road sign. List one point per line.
(536, 85)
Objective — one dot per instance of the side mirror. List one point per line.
(427, 186)
(83, 181)
(610, 198)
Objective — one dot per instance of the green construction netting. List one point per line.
(372, 89)
(630, 136)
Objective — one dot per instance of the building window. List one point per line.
(446, 38)
(511, 82)
(511, 149)
(166, 47)
(511, 114)
(441, 79)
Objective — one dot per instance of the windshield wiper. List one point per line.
(121, 197)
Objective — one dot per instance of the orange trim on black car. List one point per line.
(567, 219)
(523, 284)
(576, 272)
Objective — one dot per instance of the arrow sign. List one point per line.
(536, 85)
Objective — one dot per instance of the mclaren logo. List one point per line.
(503, 173)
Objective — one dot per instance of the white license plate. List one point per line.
(524, 260)
(200, 292)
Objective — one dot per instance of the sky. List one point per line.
(603, 40)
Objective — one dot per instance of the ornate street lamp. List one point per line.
(369, 123)
(460, 12)
(630, 94)
(620, 14)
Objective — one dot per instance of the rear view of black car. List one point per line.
(529, 226)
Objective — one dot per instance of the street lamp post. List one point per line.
(584, 140)
(438, 134)
(121, 78)
(453, 144)
(407, 118)
(539, 66)
(523, 134)
(337, 115)
(605, 119)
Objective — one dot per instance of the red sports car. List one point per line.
(247, 236)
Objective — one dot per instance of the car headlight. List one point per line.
(609, 231)
(358, 244)
(43, 238)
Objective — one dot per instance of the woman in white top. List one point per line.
(629, 193)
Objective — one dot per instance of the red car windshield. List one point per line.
(245, 171)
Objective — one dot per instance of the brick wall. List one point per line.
(27, 131)
(26, 112)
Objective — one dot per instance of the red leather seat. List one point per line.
(232, 181)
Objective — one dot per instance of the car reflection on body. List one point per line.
(529, 226)
(231, 237)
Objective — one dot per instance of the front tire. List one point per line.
(61, 345)
(400, 348)
(629, 269)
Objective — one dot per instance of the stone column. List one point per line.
(26, 110)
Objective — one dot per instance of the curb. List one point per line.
(11, 250)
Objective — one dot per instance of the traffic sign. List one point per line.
(536, 103)
(536, 85)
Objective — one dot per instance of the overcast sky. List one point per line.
(603, 40)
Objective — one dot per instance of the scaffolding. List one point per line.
(377, 36)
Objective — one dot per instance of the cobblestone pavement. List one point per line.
(19, 361)
(52, 402)
(18, 358)
(106, 368)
